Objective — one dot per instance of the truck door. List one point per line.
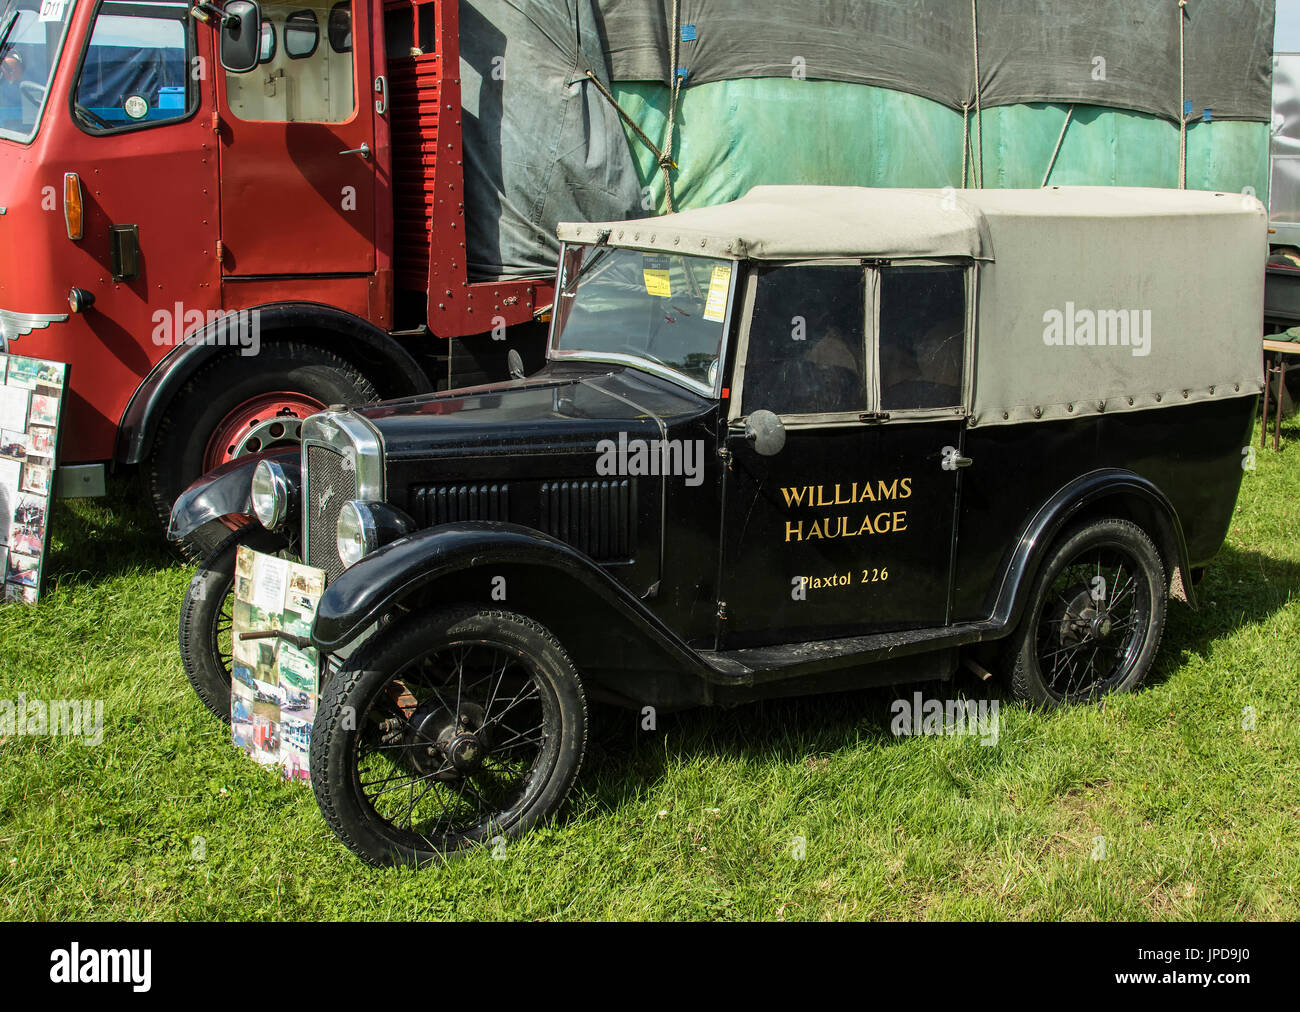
(292, 200)
(847, 530)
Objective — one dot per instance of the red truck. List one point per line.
(226, 219)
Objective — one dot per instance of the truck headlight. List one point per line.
(358, 534)
(270, 494)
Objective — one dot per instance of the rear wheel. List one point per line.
(445, 733)
(239, 405)
(1094, 619)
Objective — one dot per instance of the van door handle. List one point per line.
(951, 459)
(363, 151)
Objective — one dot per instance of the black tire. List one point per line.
(387, 717)
(205, 618)
(1094, 618)
(218, 389)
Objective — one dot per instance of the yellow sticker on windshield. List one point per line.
(655, 270)
(715, 308)
(657, 283)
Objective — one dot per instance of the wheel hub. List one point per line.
(439, 738)
(260, 423)
(1081, 620)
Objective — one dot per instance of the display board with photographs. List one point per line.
(275, 682)
(31, 399)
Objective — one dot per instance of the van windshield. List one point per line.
(666, 312)
(31, 36)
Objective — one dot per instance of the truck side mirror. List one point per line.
(241, 36)
(515, 364)
(765, 431)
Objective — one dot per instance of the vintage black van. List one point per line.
(814, 439)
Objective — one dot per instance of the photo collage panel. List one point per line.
(31, 398)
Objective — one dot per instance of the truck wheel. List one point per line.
(206, 614)
(1094, 619)
(238, 405)
(445, 733)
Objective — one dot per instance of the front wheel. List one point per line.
(206, 627)
(1094, 619)
(447, 732)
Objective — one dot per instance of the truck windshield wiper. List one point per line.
(8, 27)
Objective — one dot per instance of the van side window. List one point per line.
(806, 342)
(135, 71)
(922, 337)
(309, 77)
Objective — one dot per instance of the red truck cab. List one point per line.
(218, 251)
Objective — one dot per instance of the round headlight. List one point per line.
(357, 533)
(270, 494)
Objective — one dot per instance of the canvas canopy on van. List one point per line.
(1088, 299)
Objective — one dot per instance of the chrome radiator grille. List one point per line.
(330, 484)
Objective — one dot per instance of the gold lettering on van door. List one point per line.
(847, 494)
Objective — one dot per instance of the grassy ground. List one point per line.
(1157, 805)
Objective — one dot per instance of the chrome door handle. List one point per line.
(363, 151)
(951, 459)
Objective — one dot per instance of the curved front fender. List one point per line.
(227, 490)
(371, 587)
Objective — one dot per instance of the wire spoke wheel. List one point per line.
(1095, 617)
(453, 743)
(1092, 625)
(445, 733)
(207, 616)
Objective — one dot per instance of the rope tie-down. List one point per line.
(1182, 98)
(664, 156)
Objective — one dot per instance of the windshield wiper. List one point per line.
(8, 27)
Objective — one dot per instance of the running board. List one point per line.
(756, 665)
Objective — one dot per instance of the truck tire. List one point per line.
(1094, 618)
(241, 404)
(206, 616)
(447, 732)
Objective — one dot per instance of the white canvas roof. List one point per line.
(1088, 299)
(801, 222)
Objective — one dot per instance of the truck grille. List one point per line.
(329, 486)
(596, 517)
(445, 504)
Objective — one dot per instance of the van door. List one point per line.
(297, 146)
(848, 529)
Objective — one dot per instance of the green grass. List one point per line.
(1199, 817)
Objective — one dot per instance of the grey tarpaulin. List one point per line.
(1029, 50)
(541, 144)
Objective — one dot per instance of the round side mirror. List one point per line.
(765, 431)
(515, 364)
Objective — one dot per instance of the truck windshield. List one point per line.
(31, 35)
(668, 310)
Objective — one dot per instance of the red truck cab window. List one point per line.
(135, 71)
(31, 38)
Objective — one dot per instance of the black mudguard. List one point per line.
(470, 552)
(225, 492)
(1145, 503)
